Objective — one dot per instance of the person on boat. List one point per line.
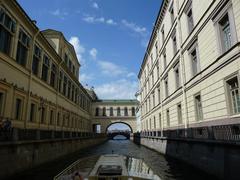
(77, 176)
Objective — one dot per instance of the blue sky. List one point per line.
(109, 36)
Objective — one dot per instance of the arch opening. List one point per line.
(119, 131)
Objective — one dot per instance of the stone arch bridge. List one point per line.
(109, 112)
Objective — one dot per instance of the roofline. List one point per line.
(40, 32)
(151, 38)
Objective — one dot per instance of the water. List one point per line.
(165, 167)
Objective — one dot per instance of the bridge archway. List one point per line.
(129, 126)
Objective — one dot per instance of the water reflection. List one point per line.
(119, 137)
(138, 168)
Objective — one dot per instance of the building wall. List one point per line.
(70, 111)
(215, 66)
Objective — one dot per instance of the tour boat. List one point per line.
(109, 167)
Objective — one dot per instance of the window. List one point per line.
(18, 109)
(73, 92)
(158, 73)
(224, 23)
(179, 111)
(36, 60)
(177, 76)
(111, 111)
(163, 34)
(164, 59)
(43, 114)
(189, 15)
(225, 33)
(66, 59)
(194, 61)
(174, 41)
(125, 111)
(160, 120)
(1, 103)
(133, 111)
(7, 29)
(151, 59)
(53, 75)
(159, 96)
(32, 112)
(166, 87)
(152, 75)
(153, 99)
(70, 64)
(60, 81)
(118, 111)
(65, 86)
(51, 117)
(171, 11)
(190, 21)
(168, 118)
(198, 107)
(22, 48)
(69, 88)
(104, 111)
(97, 112)
(234, 99)
(58, 118)
(156, 48)
(45, 68)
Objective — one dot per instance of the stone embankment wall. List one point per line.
(220, 159)
(19, 156)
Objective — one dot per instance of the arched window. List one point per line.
(133, 111)
(125, 111)
(118, 111)
(111, 111)
(104, 111)
(97, 112)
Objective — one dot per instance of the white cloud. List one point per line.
(121, 89)
(85, 77)
(134, 27)
(111, 69)
(95, 20)
(79, 48)
(111, 22)
(60, 14)
(131, 74)
(93, 53)
(95, 5)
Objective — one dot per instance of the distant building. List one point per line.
(189, 76)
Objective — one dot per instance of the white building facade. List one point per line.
(189, 76)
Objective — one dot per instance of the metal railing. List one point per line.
(9, 133)
(229, 132)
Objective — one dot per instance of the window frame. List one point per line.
(226, 8)
(230, 108)
(197, 112)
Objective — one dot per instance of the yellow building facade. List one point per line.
(39, 70)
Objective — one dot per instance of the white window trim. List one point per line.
(227, 9)
(193, 47)
(227, 93)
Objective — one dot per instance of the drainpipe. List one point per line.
(30, 79)
(183, 79)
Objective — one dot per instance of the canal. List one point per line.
(165, 167)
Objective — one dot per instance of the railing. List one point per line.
(8, 133)
(220, 133)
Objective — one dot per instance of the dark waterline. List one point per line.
(165, 167)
